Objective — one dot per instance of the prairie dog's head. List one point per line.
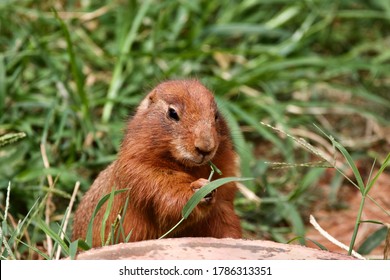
(184, 119)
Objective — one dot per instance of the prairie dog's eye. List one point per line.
(216, 115)
(172, 114)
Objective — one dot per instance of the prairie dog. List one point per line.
(163, 159)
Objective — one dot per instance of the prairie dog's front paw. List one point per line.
(196, 185)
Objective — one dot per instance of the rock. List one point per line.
(208, 248)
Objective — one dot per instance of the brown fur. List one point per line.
(163, 161)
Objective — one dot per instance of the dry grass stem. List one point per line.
(48, 198)
(70, 206)
(250, 195)
(332, 239)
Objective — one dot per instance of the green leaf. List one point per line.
(201, 193)
(75, 245)
(291, 214)
(322, 247)
(81, 244)
(120, 231)
(81, 99)
(372, 222)
(36, 250)
(55, 236)
(384, 165)
(373, 241)
(73, 249)
(351, 163)
(311, 177)
(117, 79)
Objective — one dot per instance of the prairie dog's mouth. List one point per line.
(194, 156)
(203, 161)
(203, 157)
(196, 159)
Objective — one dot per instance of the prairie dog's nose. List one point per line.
(205, 142)
(204, 146)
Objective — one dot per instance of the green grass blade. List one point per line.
(311, 177)
(283, 17)
(352, 164)
(82, 98)
(105, 217)
(202, 192)
(48, 123)
(11, 138)
(6, 251)
(128, 236)
(172, 229)
(322, 247)
(372, 182)
(349, 159)
(254, 123)
(36, 250)
(73, 249)
(123, 214)
(55, 236)
(373, 241)
(99, 205)
(117, 78)
(26, 220)
(81, 244)
(241, 145)
(292, 216)
(214, 168)
(75, 245)
(3, 83)
(61, 232)
(372, 222)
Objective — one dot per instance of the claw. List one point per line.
(210, 197)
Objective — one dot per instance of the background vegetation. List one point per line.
(72, 71)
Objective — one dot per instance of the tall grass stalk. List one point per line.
(360, 185)
(363, 188)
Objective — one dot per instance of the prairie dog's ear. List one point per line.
(148, 100)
